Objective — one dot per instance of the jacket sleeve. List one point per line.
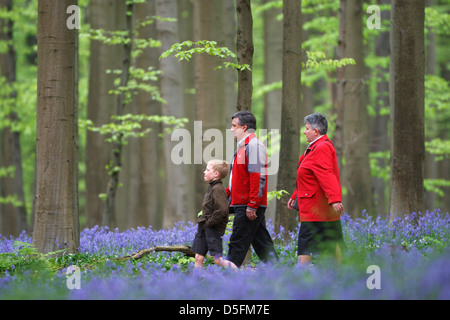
(220, 203)
(328, 179)
(257, 169)
(294, 195)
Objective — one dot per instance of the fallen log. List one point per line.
(175, 248)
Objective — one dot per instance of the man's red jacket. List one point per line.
(248, 175)
(318, 182)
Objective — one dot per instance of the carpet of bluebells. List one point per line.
(412, 255)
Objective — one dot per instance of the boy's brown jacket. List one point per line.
(215, 207)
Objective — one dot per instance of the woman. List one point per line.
(318, 194)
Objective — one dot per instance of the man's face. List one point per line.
(310, 133)
(238, 131)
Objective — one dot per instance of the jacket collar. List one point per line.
(214, 182)
(246, 140)
(316, 142)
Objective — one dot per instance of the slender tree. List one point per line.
(107, 15)
(407, 106)
(244, 47)
(273, 50)
(56, 224)
(109, 214)
(149, 151)
(380, 123)
(179, 207)
(355, 132)
(290, 108)
(13, 215)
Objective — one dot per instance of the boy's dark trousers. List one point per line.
(250, 232)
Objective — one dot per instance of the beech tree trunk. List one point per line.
(380, 124)
(407, 75)
(109, 215)
(290, 111)
(13, 217)
(56, 224)
(273, 51)
(178, 204)
(244, 47)
(107, 15)
(356, 171)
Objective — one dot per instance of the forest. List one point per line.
(94, 95)
(110, 109)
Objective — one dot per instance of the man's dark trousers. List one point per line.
(250, 232)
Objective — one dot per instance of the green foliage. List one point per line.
(131, 126)
(380, 165)
(139, 81)
(438, 147)
(438, 21)
(26, 257)
(317, 59)
(437, 98)
(186, 49)
(436, 185)
(276, 194)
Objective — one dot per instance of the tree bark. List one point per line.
(100, 103)
(206, 88)
(273, 50)
(150, 150)
(407, 74)
(109, 215)
(380, 124)
(355, 118)
(244, 47)
(11, 155)
(56, 224)
(178, 204)
(290, 108)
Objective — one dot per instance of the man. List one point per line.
(247, 192)
(318, 193)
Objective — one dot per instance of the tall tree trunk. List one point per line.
(178, 204)
(290, 107)
(186, 32)
(12, 155)
(244, 47)
(431, 165)
(109, 215)
(355, 117)
(273, 50)
(380, 124)
(206, 89)
(340, 81)
(151, 184)
(56, 223)
(107, 15)
(407, 106)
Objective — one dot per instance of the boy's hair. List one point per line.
(221, 166)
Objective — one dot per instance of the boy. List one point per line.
(213, 221)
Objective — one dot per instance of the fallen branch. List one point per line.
(175, 248)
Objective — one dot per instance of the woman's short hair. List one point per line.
(317, 121)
